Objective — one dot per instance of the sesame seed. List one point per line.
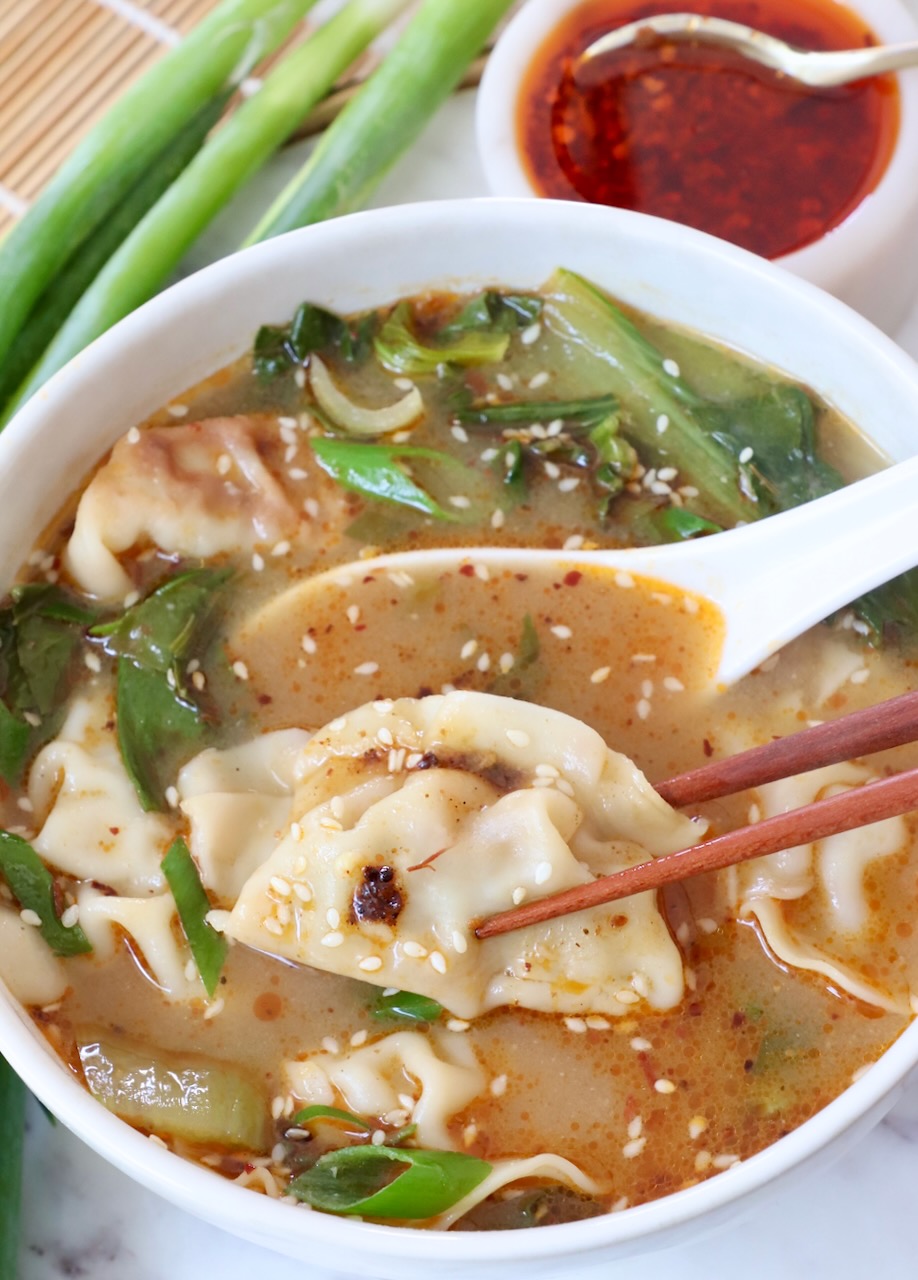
(531, 334)
(308, 645)
(414, 950)
(240, 670)
(358, 1038)
(297, 473)
(133, 436)
(577, 1025)
(437, 961)
(258, 562)
(745, 455)
(484, 662)
(702, 1161)
(670, 367)
(662, 423)
(542, 873)
(198, 679)
(499, 1086)
(215, 1009)
(338, 724)
(517, 737)
(460, 434)
(92, 661)
(640, 1045)
(552, 470)
(277, 1108)
(488, 455)
(332, 918)
(457, 1024)
(461, 501)
(224, 464)
(725, 1161)
(281, 548)
(299, 376)
(861, 676)
(172, 797)
(482, 573)
(696, 1127)
(272, 926)
(396, 761)
(562, 632)
(627, 997)
(519, 893)
(600, 675)
(565, 787)
(647, 688)
(403, 384)
(506, 662)
(330, 824)
(468, 650)
(643, 709)
(690, 604)
(497, 519)
(664, 1086)
(634, 1148)
(469, 1134)
(754, 814)
(673, 685)
(30, 717)
(28, 916)
(370, 964)
(385, 737)
(311, 507)
(333, 939)
(366, 669)
(296, 832)
(538, 380)
(635, 1127)
(459, 942)
(177, 410)
(667, 473)
(330, 1044)
(707, 925)
(302, 891)
(623, 579)
(597, 1023)
(71, 916)
(574, 542)
(568, 484)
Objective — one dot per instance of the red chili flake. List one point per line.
(467, 570)
(707, 748)
(702, 136)
(571, 579)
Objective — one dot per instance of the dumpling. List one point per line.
(438, 1074)
(238, 803)
(151, 924)
(194, 490)
(418, 817)
(90, 822)
(826, 879)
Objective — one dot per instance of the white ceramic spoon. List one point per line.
(771, 580)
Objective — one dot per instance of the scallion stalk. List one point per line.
(12, 1132)
(145, 259)
(111, 158)
(387, 115)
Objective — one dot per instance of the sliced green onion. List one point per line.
(358, 419)
(208, 947)
(317, 1112)
(676, 524)
(374, 471)
(405, 1006)
(12, 1142)
(198, 1101)
(226, 163)
(357, 1180)
(586, 412)
(220, 51)
(386, 116)
(33, 888)
(400, 350)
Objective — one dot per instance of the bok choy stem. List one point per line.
(386, 116)
(225, 163)
(219, 52)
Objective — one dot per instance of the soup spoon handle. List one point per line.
(815, 68)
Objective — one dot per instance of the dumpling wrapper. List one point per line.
(471, 801)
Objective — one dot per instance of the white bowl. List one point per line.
(362, 261)
(869, 260)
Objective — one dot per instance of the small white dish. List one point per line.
(868, 260)
(367, 260)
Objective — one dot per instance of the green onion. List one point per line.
(676, 524)
(33, 888)
(501, 312)
(586, 412)
(12, 1142)
(194, 1099)
(386, 116)
(357, 1180)
(401, 351)
(317, 1112)
(405, 1006)
(373, 471)
(67, 287)
(208, 947)
(227, 161)
(219, 52)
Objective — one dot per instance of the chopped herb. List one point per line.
(405, 1006)
(208, 947)
(359, 1180)
(278, 349)
(401, 351)
(375, 471)
(33, 887)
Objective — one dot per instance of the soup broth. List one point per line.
(794, 973)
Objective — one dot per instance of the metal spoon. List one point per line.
(771, 580)
(820, 70)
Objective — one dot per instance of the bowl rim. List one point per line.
(197, 1189)
(868, 222)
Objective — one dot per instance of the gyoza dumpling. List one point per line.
(194, 490)
(418, 817)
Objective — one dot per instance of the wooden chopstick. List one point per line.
(888, 724)
(855, 808)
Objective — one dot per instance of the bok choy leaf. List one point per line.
(376, 471)
(32, 885)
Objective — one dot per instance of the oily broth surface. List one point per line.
(780, 1043)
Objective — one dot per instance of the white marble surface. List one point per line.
(83, 1219)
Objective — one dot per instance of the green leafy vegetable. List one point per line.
(578, 413)
(278, 350)
(497, 312)
(32, 886)
(359, 1180)
(676, 524)
(374, 471)
(529, 647)
(208, 947)
(317, 1112)
(157, 718)
(197, 1100)
(510, 467)
(40, 631)
(401, 351)
(405, 1006)
(12, 1142)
